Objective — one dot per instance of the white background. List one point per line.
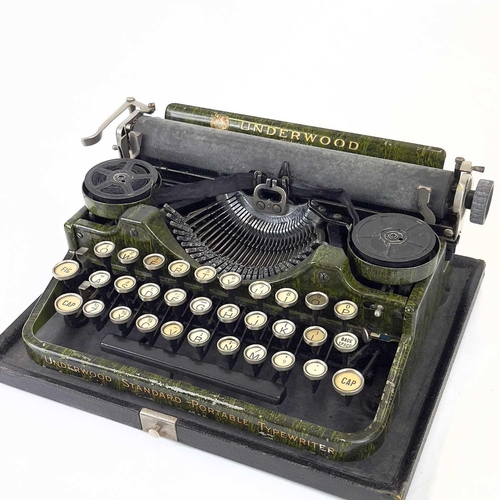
(425, 72)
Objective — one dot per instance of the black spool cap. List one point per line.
(394, 240)
(121, 180)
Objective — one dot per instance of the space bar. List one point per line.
(263, 390)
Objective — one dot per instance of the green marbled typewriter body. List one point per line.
(287, 309)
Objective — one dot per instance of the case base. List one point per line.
(386, 474)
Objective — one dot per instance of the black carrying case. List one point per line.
(386, 474)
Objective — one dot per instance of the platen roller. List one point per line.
(366, 179)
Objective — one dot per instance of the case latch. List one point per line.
(158, 424)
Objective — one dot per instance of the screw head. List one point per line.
(261, 205)
(448, 232)
(276, 209)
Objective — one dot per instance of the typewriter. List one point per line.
(290, 288)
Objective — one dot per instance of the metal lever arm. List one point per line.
(128, 142)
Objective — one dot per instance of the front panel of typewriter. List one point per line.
(288, 316)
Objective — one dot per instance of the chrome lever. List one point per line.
(128, 141)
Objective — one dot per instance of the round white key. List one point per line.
(198, 337)
(104, 249)
(286, 297)
(345, 342)
(179, 268)
(149, 292)
(205, 274)
(125, 284)
(255, 354)
(283, 329)
(128, 255)
(100, 279)
(315, 336)
(65, 270)
(283, 361)
(153, 261)
(348, 382)
(68, 303)
(228, 346)
(315, 369)
(316, 301)
(120, 315)
(256, 320)
(259, 290)
(228, 313)
(146, 323)
(172, 330)
(175, 297)
(200, 306)
(345, 310)
(93, 308)
(230, 281)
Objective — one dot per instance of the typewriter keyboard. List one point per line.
(242, 339)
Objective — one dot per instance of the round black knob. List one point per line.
(481, 201)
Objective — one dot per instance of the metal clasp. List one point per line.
(128, 142)
(158, 424)
(275, 205)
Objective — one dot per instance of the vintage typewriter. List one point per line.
(291, 291)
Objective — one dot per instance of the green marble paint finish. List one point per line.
(145, 228)
(407, 152)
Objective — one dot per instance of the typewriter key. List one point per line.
(316, 301)
(345, 310)
(179, 269)
(128, 257)
(348, 382)
(201, 306)
(283, 362)
(259, 290)
(315, 370)
(93, 308)
(199, 338)
(255, 355)
(283, 329)
(68, 304)
(104, 250)
(147, 323)
(228, 347)
(154, 262)
(346, 342)
(100, 279)
(120, 316)
(286, 298)
(315, 336)
(256, 321)
(66, 270)
(228, 314)
(175, 297)
(124, 285)
(172, 330)
(149, 292)
(205, 275)
(230, 282)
